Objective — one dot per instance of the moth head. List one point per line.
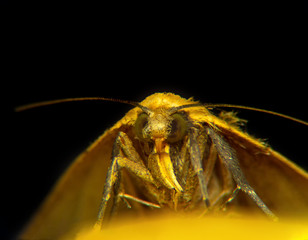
(168, 124)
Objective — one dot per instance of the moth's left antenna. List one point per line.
(51, 102)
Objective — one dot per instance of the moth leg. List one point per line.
(233, 195)
(196, 160)
(123, 156)
(138, 200)
(118, 187)
(229, 158)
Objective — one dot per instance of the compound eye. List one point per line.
(178, 128)
(140, 124)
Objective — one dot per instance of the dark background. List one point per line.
(249, 55)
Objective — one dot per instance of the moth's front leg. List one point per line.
(124, 155)
(196, 161)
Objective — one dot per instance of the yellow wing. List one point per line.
(76, 197)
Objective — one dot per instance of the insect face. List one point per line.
(161, 124)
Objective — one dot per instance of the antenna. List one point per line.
(210, 105)
(51, 102)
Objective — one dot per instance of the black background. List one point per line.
(248, 55)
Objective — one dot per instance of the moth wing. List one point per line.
(282, 185)
(76, 197)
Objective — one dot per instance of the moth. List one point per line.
(171, 154)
